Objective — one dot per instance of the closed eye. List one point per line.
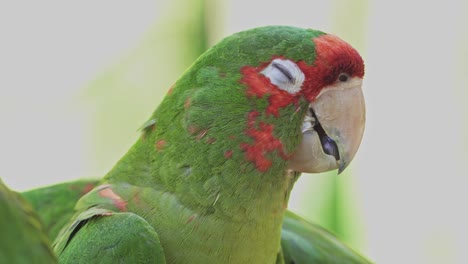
(284, 71)
(285, 74)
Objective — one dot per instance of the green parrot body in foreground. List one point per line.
(210, 178)
(22, 237)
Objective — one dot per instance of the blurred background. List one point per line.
(78, 79)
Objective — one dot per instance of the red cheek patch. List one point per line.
(259, 85)
(264, 142)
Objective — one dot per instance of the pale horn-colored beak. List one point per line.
(332, 130)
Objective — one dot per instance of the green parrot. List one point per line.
(210, 177)
(22, 237)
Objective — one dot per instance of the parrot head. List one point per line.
(329, 88)
(311, 110)
(333, 126)
(268, 99)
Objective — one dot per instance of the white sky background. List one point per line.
(49, 50)
(410, 170)
(412, 165)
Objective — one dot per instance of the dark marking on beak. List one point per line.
(329, 146)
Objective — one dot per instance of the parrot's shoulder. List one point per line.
(105, 229)
(304, 242)
(107, 236)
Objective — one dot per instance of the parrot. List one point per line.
(210, 177)
(23, 239)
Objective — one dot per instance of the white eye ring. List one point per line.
(285, 74)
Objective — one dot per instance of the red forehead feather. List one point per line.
(334, 56)
(334, 52)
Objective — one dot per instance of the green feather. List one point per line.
(304, 243)
(55, 204)
(123, 236)
(22, 238)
